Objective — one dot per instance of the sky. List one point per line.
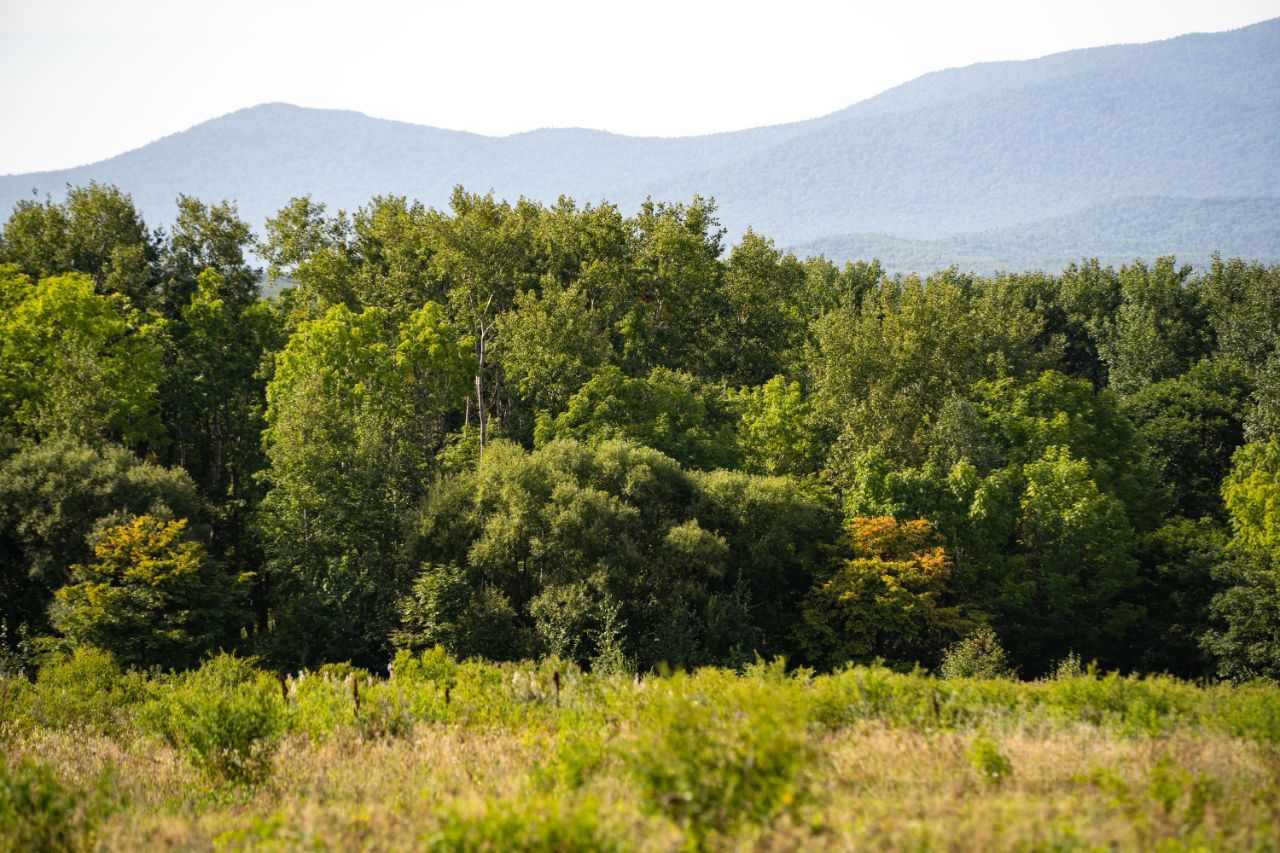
(86, 79)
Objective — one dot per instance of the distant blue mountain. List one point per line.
(986, 151)
(1114, 232)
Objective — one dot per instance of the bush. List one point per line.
(978, 655)
(544, 823)
(715, 751)
(84, 688)
(226, 717)
(383, 711)
(1069, 667)
(40, 813)
(993, 766)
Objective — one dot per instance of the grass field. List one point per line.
(472, 756)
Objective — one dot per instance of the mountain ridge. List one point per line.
(980, 148)
(1119, 232)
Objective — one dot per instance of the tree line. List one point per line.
(517, 430)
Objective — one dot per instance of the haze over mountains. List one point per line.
(1116, 152)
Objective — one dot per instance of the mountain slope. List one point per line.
(1115, 233)
(990, 146)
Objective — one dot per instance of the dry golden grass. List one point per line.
(872, 787)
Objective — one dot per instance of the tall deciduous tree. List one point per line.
(208, 237)
(1246, 640)
(352, 420)
(777, 433)
(1158, 330)
(485, 255)
(884, 371)
(96, 231)
(761, 325)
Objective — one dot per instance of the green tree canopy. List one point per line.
(53, 497)
(95, 231)
(671, 411)
(74, 362)
(353, 417)
(694, 564)
(884, 370)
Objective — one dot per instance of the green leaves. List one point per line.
(354, 415)
(614, 540)
(1246, 640)
(670, 411)
(96, 231)
(75, 363)
(778, 433)
(884, 367)
(1252, 494)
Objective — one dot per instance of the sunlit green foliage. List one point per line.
(76, 363)
(668, 410)
(226, 717)
(1247, 645)
(354, 412)
(884, 367)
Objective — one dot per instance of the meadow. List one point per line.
(470, 755)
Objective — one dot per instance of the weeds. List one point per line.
(465, 755)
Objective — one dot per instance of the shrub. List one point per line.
(433, 664)
(978, 655)
(715, 751)
(84, 688)
(993, 766)
(383, 711)
(541, 823)
(1069, 667)
(611, 657)
(318, 706)
(40, 813)
(226, 717)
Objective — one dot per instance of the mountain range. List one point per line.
(1116, 152)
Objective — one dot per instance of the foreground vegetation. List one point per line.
(449, 755)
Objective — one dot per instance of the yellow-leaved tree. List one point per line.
(885, 598)
(152, 597)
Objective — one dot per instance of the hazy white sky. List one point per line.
(86, 79)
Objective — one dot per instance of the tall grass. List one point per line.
(445, 754)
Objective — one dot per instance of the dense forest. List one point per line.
(525, 430)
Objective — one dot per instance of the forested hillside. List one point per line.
(1003, 151)
(517, 431)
